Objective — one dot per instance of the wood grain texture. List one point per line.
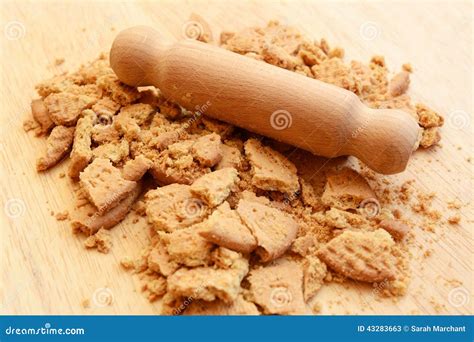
(44, 267)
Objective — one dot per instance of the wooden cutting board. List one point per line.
(45, 269)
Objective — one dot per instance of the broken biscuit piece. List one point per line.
(186, 247)
(343, 219)
(273, 229)
(215, 187)
(113, 151)
(399, 83)
(364, 256)
(314, 272)
(238, 307)
(396, 228)
(160, 261)
(174, 207)
(107, 107)
(65, 108)
(225, 228)
(104, 185)
(278, 288)
(208, 283)
(116, 90)
(427, 117)
(177, 165)
(346, 189)
(131, 117)
(207, 149)
(81, 153)
(41, 115)
(270, 169)
(58, 145)
(231, 157)
(134, 169)
(89, 220)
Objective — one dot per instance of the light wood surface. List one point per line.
(44, 267)
(318, 117)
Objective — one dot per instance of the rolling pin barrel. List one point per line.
(277, 103)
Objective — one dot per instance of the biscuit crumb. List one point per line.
(102, 240)
(62, 216)
(455, 219)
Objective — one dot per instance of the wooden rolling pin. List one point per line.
(324, 119)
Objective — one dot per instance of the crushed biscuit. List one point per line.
(364, 256)
(271, 170)
(278, 288)
(174, 207)
(104, 185)
(225, 228)
(58, 145)
(102, 240)
(215, 187)
(273, 229)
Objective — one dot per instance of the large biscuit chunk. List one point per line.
(207, 149)
(65, 108)
(89, 220)
(215, 187)
(278, 288)
(104, 185)
(187, 247)
(58, 145)
(81, 153)
(346, 189)
(270, 169)
(364, 256)
(209, 283)
(273, 229)
(225, 228)
(174, 207)
(238, 307)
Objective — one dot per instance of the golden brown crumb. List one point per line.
(62, 216)
(86, 303)
(59, 61)
(455, 219)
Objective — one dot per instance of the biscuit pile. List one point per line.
(240, 224)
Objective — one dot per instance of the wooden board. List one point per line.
(44, 267)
